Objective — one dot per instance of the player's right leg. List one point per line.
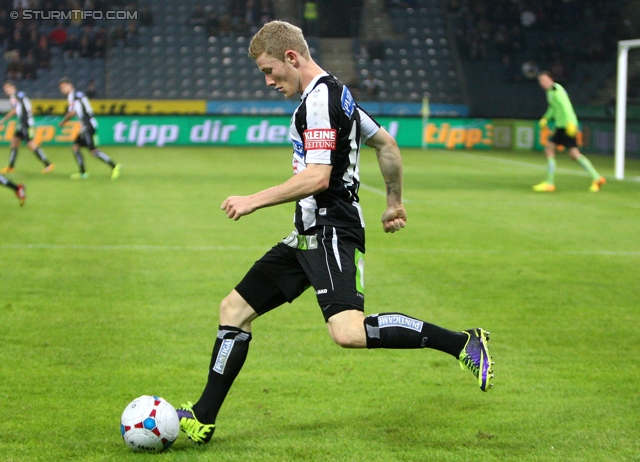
(597, 180)
(229, 353)
(13, 155)
(18, 188)
(255, 295)
(37, 150)
(548, 185)
(82, 174)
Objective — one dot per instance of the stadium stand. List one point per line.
(453, 51)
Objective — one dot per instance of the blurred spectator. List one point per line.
(118, 36)
(145, 17)
(71, 47)
(19, 43)
(213, 25)
(99, 47)
(58, 36)
(90, 90)
(131, 39)
(226, 25)
(14, 65)
(42, 53)
(85, 48)
(29, 67)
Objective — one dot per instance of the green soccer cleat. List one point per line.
(197, 432)
(544, 187)
(79, 176)
(475, 357)
(115, 172)
(597, 184)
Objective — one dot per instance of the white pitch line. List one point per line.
(223, 248)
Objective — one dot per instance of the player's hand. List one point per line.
(394, 218)
(571, 129)
(237, 206)
(61, 123)
(543, 123)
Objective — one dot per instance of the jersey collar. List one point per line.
(312, 84)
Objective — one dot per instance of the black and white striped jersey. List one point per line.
(328, 128)
(21, 103)
(79, 103)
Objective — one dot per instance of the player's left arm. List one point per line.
(67, 116)
(8, 115)
(312, 180)
(394, 217)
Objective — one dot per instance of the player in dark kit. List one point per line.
(18, 188)
(80, 107)
(21, 107)
(326, 249)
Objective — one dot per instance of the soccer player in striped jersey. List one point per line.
(80, 107)
(18, 188)
(21, 108)
(566, 122)
(326, 248)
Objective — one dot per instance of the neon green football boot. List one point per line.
(197, 432)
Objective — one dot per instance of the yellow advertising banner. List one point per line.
(125, 106)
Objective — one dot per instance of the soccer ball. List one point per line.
(149, 424)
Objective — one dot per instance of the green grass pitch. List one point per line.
(109, 290)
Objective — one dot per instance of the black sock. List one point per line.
(104, 158)
(40, 153)
(229, 353)
(12, 157)
(79, 159)
(8, 183)
(396, 330)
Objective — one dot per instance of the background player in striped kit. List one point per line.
(80, 107)
(21, 107)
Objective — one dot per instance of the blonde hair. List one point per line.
(275, 38)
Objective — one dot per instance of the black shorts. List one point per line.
(331, 260)
(25, 133)
(560, 137)
(87, 138)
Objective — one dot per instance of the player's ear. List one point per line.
(290, 57)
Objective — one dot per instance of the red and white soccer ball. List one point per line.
(149, 424)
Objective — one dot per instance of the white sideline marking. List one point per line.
(226, 248)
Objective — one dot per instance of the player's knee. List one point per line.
(235, 311)
(347, 329)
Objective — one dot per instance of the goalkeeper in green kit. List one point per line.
(566, 123)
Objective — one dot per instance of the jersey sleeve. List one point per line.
(320, 136)
(368, 126)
